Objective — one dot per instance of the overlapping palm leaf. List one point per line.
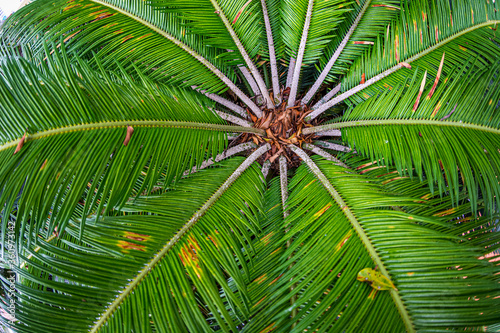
(126, 220)
(325, 254)
(72, 123)
(164, 279)
(119, 31)
(453, 131)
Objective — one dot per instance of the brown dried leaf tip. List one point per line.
(20, 144)
(422, 85)
(130, 131)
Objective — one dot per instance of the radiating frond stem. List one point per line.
(335, 56)
(300, 55)
(332, 146)
(134, 123)
(393, 69)
(284, 184)
(244, 54)
(289, 75)
(193, 53)
(321, 152)
(161, 254)
(272, 53)
(327, 97)
(286, 213)
(251, 81)
(383, 122)
(233, 119)
(265, 169)
(329, 133)
(359, 230)
(228, 153)
(227, 103)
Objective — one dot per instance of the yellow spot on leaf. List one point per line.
(375, 279)
(131, 246)
(436, 109)
(268, 328)
(322, 210)
(137, 237)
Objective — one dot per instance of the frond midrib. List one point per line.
(414, 122)
(133, 123)
(359, 230)
(394, 68)
(177, 237)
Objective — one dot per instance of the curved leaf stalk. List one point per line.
(333, 146)
(300, 56)
(289, 75)
(382, 122)
(244, 54)
(272, 54)
(233, 119)
(335, 56)
(193, 53)
(228, 153)
(265, 169)
(227, 103)
(156, 259)
(134, 123)
(327, 97)
(255, 88)
(329, 133)
(391, 70)
(317, 150)
(359, 230)
(286, 213)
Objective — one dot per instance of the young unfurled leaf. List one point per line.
(375, 279)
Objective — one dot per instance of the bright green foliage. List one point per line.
(136, 194)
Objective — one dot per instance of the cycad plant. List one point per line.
(254, 166)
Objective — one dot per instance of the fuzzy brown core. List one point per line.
(283, 126)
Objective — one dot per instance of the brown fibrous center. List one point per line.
(283, 127)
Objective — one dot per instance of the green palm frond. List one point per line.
(200, 275)
(420, 36)
(153, 177)
(477, 229)
(337, 301)
(455, 28)
(325, 17)
(373, 22)
(119, 31)
(67, 144)
(454, 130)
(202, 18)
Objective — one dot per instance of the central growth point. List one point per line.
(283, 126)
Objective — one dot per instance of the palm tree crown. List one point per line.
(254, 166)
